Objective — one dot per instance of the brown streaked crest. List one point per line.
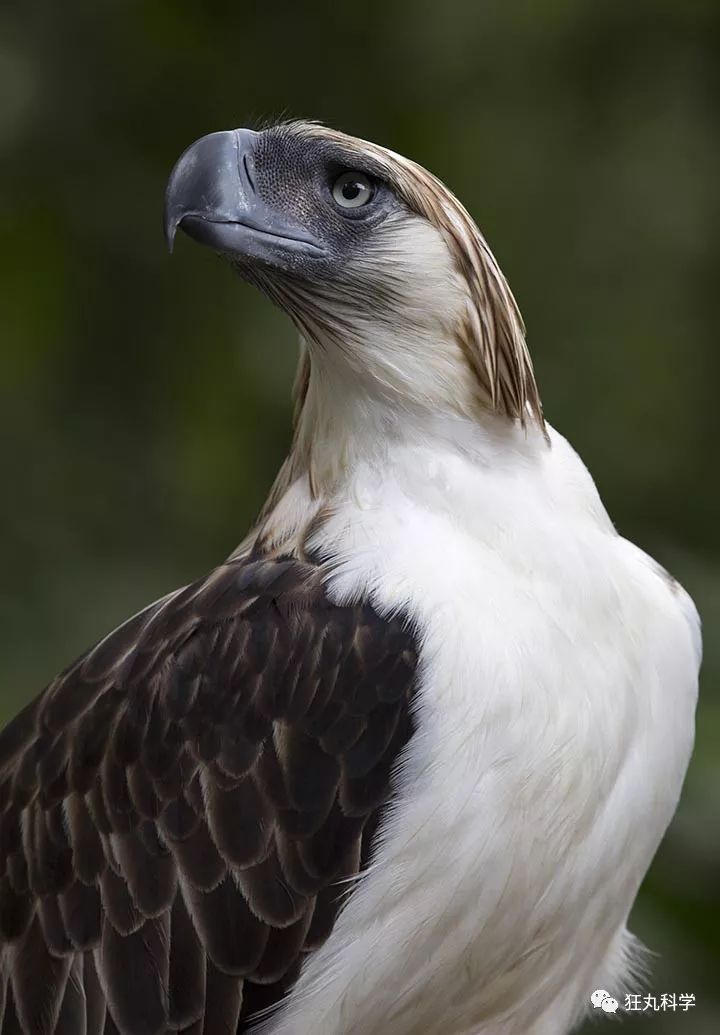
(492, 336)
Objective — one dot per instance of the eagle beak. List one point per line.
(212, 196)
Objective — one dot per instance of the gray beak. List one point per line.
(212, 196)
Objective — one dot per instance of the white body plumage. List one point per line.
(555, 723)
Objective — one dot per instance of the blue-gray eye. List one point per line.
(352, 190)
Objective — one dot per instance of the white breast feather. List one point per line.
(554, 726)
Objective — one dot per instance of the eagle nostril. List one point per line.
(246, 167)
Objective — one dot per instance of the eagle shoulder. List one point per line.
(179, 805)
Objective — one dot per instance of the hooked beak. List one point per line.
(212, 196)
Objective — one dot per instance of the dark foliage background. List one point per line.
(144, 403)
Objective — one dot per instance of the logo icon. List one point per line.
(602, 1000)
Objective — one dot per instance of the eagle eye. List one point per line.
(352, 190)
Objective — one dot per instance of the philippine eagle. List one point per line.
(399, 765)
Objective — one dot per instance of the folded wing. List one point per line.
(179, 806)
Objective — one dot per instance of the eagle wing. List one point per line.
(180, 805)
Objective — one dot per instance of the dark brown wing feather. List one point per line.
(180, 805)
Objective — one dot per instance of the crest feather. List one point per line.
(492, 335)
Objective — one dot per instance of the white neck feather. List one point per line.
(391, 371)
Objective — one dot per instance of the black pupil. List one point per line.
(352, 189)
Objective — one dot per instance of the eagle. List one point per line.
(400, 764)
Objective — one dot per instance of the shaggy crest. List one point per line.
(492, 335)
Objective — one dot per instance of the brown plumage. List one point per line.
(179, 805)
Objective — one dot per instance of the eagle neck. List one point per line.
(347, 423)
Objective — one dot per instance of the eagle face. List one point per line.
(288, 200)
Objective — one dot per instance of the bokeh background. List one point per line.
(144, 402)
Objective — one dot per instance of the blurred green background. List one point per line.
(144, 402)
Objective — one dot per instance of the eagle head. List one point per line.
(388, 279)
